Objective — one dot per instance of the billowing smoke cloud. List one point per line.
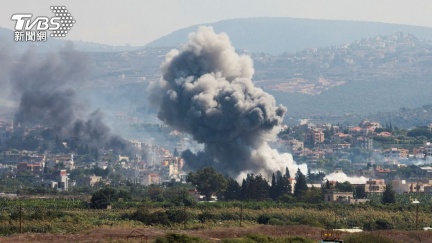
(206, 90)
(43, 85)
(342, 177)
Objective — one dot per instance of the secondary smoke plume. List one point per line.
(342, 177)
(43, 85)
(206, 90)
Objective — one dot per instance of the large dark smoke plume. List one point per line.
(206, 90)
(44, 87)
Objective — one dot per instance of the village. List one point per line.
(359, 154)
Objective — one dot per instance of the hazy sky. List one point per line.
(139, 22)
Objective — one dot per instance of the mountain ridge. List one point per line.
(279, 35)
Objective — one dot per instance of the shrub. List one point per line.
(143, 215)
(367, 237)
(176, 215)
(158, 217)
(263, 219)
(206, 217)
(274, 221)
(311, 222)
(383, 224)
(104, 197)
(254, 238)
(259, 238)
(178, 238)
(380, 224)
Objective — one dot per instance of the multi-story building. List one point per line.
(402, 186)
(24, 167)
(395, 153)
(144, 177)
(375, 186)
(150, 179)
(63, 180)
(314, 136)
(364, 143)
(92, 180)
(10, 157)
(136, 144)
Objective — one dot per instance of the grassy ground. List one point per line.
(120, 234)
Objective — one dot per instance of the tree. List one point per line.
(207, 181)
(344, 187)
(300, 187)
(261, 188)
(273, 188)
(104, 197)
(314, 195)
(388, 195)
(360, 192)
(280, 185)
(155, 193)
(287, 173)
(255, 188)
(316, 177)
(30, 142)
(287, 188)
(232, 191)
(327, 184)
(178, 196)
(176, 153)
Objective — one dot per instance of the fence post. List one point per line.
(241, 214)
(21, 218)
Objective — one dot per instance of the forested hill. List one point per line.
(279, 35)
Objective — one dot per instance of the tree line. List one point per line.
(254, 187)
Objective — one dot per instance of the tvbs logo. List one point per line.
(28, 29)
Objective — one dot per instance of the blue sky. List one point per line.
(139, 22)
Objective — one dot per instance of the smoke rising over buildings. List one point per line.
(342, 177)
(43, 86)
(206, 90)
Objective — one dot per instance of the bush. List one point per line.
(367, 237)
(254, 238)
(206, 217)
(259, 238)
(159, 217)
(178, 238)
(104, 197)
(311, 222)
(263, 219)
(143, 215)
(176, 215)
(274, 221)
(380, 224)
